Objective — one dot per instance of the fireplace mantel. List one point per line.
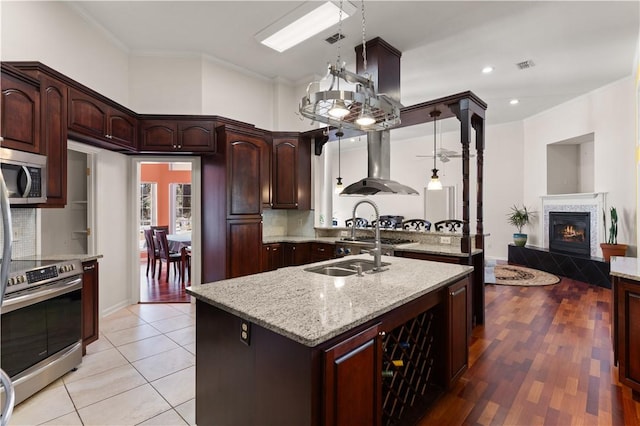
(592, 202)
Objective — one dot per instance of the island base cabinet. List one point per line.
(627, 331)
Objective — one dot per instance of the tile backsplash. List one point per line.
(287, 222)
(23, 222)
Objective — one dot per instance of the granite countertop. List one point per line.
(445, 249)
(63, 257)
(297, 239)
(626, 267)
(311, 308)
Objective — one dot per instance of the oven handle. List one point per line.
(65, 286)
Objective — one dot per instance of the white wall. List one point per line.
(54, 34)
(609, 113)
(503, 176)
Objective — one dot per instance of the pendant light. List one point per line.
(339, 186)
(434, 183)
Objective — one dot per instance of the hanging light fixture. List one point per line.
(434, 183)
(339, 186)
(360, 109)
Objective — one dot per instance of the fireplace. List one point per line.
(569, 232)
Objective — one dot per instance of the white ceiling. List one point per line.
(576, 46)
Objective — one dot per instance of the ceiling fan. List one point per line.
(444, 155)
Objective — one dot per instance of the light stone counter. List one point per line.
(445, 249)
(296, 239)
(311, 308)
(63, 257)
(626, 267)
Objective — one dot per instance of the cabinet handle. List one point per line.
(89, 268)
(382, 334)
(320, 249)
(457, 292)
(294, 249)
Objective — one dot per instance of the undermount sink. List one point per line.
(345, 268)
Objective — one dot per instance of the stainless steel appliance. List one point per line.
(7, 242)
(41, 323)
(25, 175)
(364, 244)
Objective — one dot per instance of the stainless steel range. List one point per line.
(41, 323)
(363, 244)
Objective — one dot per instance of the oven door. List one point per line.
(38, 324)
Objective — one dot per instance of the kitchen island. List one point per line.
(296, 347)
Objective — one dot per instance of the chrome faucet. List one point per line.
(377, 251)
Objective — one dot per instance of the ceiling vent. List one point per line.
(334, 38)
(525, 64)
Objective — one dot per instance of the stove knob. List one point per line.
(21, 279)
(12, 281)
(347, 251)
(73, 267)
(61, 269)
(340, 250)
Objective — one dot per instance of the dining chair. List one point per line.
(421, 225)
(449, 225)
(185, 264)
(153, 255)
(389, 222)
(164, 228)
(360, 222)
(166, 255)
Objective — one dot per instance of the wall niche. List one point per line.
(570, 165)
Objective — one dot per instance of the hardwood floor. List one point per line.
(543, 357)
(157, 290)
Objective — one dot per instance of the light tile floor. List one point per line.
(140, 371)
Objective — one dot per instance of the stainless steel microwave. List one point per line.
(25, 175)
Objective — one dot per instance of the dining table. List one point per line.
(178, 241)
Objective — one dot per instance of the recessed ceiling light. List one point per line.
(302, 23)
(487, 70)
(514, 102)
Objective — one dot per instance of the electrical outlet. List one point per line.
(344, 233)
(245, 332)
(445, 240)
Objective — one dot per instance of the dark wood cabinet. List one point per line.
(248, 158)
(352, 390)
(272, 257)
(322, 251)
(168, 134)
(626, 330)
(53, 130)
(94, 121)
(291, 178)
(296, 254)
(90, 310)
(458, 312)
(244, 247)
(19, 111)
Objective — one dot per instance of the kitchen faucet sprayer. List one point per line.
(377, 251)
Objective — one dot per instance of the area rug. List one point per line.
(518, 275)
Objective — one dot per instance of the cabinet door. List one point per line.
(20, 115)
(122, 128)
(53, 96)
(272, 257)
(247, 172)
(87, 115)
(458, 303)
(244, 247)
(158, 135)
(285, 172)
(628, 339)
(322, 251)
(90, 314)
(196, 136)
(353, 384)
(296, 254)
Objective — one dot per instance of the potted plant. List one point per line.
(519, 217)
(611, 247)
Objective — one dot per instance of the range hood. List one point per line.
(384, 67)
(378, 182)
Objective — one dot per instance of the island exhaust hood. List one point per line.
(378, 182)
(384, 67)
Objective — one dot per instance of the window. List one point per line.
(181, 208)
(148, 208)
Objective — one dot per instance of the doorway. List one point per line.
(167, 197)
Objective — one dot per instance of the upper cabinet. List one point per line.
(20, 106)
(248, 156)
(177, 135)
(92, 120)
(291, 178)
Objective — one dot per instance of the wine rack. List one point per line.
(408, 365)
